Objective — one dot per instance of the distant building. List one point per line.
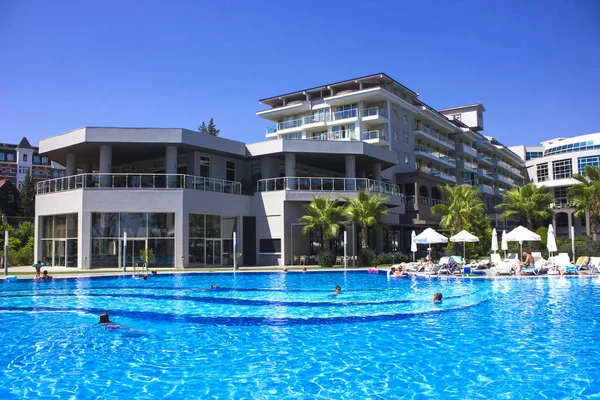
(9, 198)
(18, 159)
(552, 164)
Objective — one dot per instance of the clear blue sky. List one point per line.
(535, 65)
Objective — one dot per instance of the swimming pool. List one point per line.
(275, 335)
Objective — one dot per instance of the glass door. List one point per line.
(134, 246)
(60, 247)
(213, 253)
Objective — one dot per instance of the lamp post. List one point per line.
(345, 251)
(234, 251)
(124, 251)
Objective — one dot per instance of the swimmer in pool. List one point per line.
(337, 291)
(437, 298)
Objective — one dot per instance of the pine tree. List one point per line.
(202, 128)
(212, 129)
(27, 198)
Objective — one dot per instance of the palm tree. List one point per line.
(530, 202)
(585, 196)
(463, 205)
(365, 210)
(323, 214)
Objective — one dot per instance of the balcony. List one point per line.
(507, 180)
(561, 206)
(437, 137)
(469, 150)
(375, 137)
(137, 181)
(510, 168)
(374, 114)
(488, 189)
(435, 155)
(470, 165)
(318, 184)
(485, 158)
(438, 173)
(486, 173)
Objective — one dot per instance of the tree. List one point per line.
(530, 202)
(203, 129)
(323, 214)
(463, 206)
(585, 196)
(212, 129)
(365, 210)
(27, 198)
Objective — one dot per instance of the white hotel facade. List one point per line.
(553, 164)
(184, 194)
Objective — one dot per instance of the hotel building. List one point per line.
(184, 194)
(552, 164)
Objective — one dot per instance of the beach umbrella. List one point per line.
(430, 236)
(504, 245)
(494, 240)
(551, 240)
(464, 237)
(413, 244)
(521, 234)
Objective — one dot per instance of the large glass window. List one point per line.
(205, 166)
(542, 172)
(582, 162)
(105, 224)
(213, 226)
(230, 170)
(134, 224)
(562, 169)
(59, 240)
(161, 225)
(211, 240)
(572, 147)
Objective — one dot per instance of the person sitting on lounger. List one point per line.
(529, 262)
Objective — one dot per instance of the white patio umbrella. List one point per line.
(429, 237)
(521, 234)
(551, 241)
(464, 237)
(494, 240)
(504, 245)
(413, 244)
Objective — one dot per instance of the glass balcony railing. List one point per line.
(485, 158)
(435, 135)
(373, 111)
(318, 184)
(138, 181)
(328, 116)
(470, 165)
(376, 134)
(436, 154)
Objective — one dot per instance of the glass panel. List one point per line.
(59, 252)
(164, 252)
(209, 252)
(47, 223)
(161, 225)
(104, 253)
(228, 252)
(197, 225)
(134, 224)
(217, 253)
(196, 252)
(213, 226)
(72, 225)
(229, 224)
(60, 226)
(105, 224)
(134, 248)
(46, 256)
(72, 253)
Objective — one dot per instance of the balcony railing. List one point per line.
(318, 184)
(434, 135)
(470, 165)
(485, 158)
(509, 167)
(327, 116)
(138, 181)
(436, 154)
(469, 150)
(561, 206)
(376, 134)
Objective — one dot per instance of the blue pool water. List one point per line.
(283, 336)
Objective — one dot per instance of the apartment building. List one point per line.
(197, 200)
(431, 147)
(16, 160)
(552, 164)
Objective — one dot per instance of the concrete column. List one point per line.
(588, 229)
(350, 166)
(71, 164)
(105, 165)
(377, 171)
(290, 170)
(171, 165)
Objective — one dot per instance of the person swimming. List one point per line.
(437, 298)
(337, 291)
(105, 320)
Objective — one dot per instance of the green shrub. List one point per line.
(326, 258)
(366, 258)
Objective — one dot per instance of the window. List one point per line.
(292, 136)
(560, 194)
(531, 155)
(395, 113)
(406, 160)
(457, 117)
(2, 156)
(562, 169)
(24, 157)
(270, 246)
(10, 156)
(405, 138)
(405, 118)
(396, 135)
(542, 172)
(255, 169)
(36, 159)
(569, 148)
(582, 162)
(230, 170)
(205, 166)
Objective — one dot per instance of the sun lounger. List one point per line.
(539, 260)
(496, 259)
(595, 261)
(506, 267)
(562, 260)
